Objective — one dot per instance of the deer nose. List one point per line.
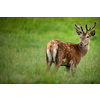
(81, 44)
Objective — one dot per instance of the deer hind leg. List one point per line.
(57, 65)
(48, 60)
(58, 61)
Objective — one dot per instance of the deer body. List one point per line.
(68, 54)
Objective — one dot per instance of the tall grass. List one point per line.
(23, 50)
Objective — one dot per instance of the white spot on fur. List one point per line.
(68, 48)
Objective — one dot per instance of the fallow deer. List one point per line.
(69, 54)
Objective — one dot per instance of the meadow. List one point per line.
(23, 43)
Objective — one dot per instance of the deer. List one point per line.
(69, 54)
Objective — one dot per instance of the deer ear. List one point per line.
(78, 32)
(92, 33)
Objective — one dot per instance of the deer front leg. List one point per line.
(67, 68)
(73, 69)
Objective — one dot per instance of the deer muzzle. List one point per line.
(81, 44)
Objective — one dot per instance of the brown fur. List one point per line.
(68, 54)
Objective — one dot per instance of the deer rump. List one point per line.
(62, 54)
(52, 49)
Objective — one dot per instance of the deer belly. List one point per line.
(65, 62)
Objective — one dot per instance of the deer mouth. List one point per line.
(82, 46)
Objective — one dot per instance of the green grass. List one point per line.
(23, 50)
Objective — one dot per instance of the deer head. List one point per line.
(85, 37)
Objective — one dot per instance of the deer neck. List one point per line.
(84, 50)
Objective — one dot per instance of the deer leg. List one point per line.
(73, 69)
(48, 63)
(75, 66)
(57, 64)
(67, 68)
(48, 66)
(58, 60)
(56, 68)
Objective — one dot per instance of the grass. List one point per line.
(23, 50)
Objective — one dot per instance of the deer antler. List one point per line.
(88, 30)
(80, 28)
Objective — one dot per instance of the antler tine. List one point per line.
(86, 27)
(95, 23)
(79, 24)
(79, 27)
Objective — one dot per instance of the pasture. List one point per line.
(23, 50)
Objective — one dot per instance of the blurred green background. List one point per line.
(23, 50)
